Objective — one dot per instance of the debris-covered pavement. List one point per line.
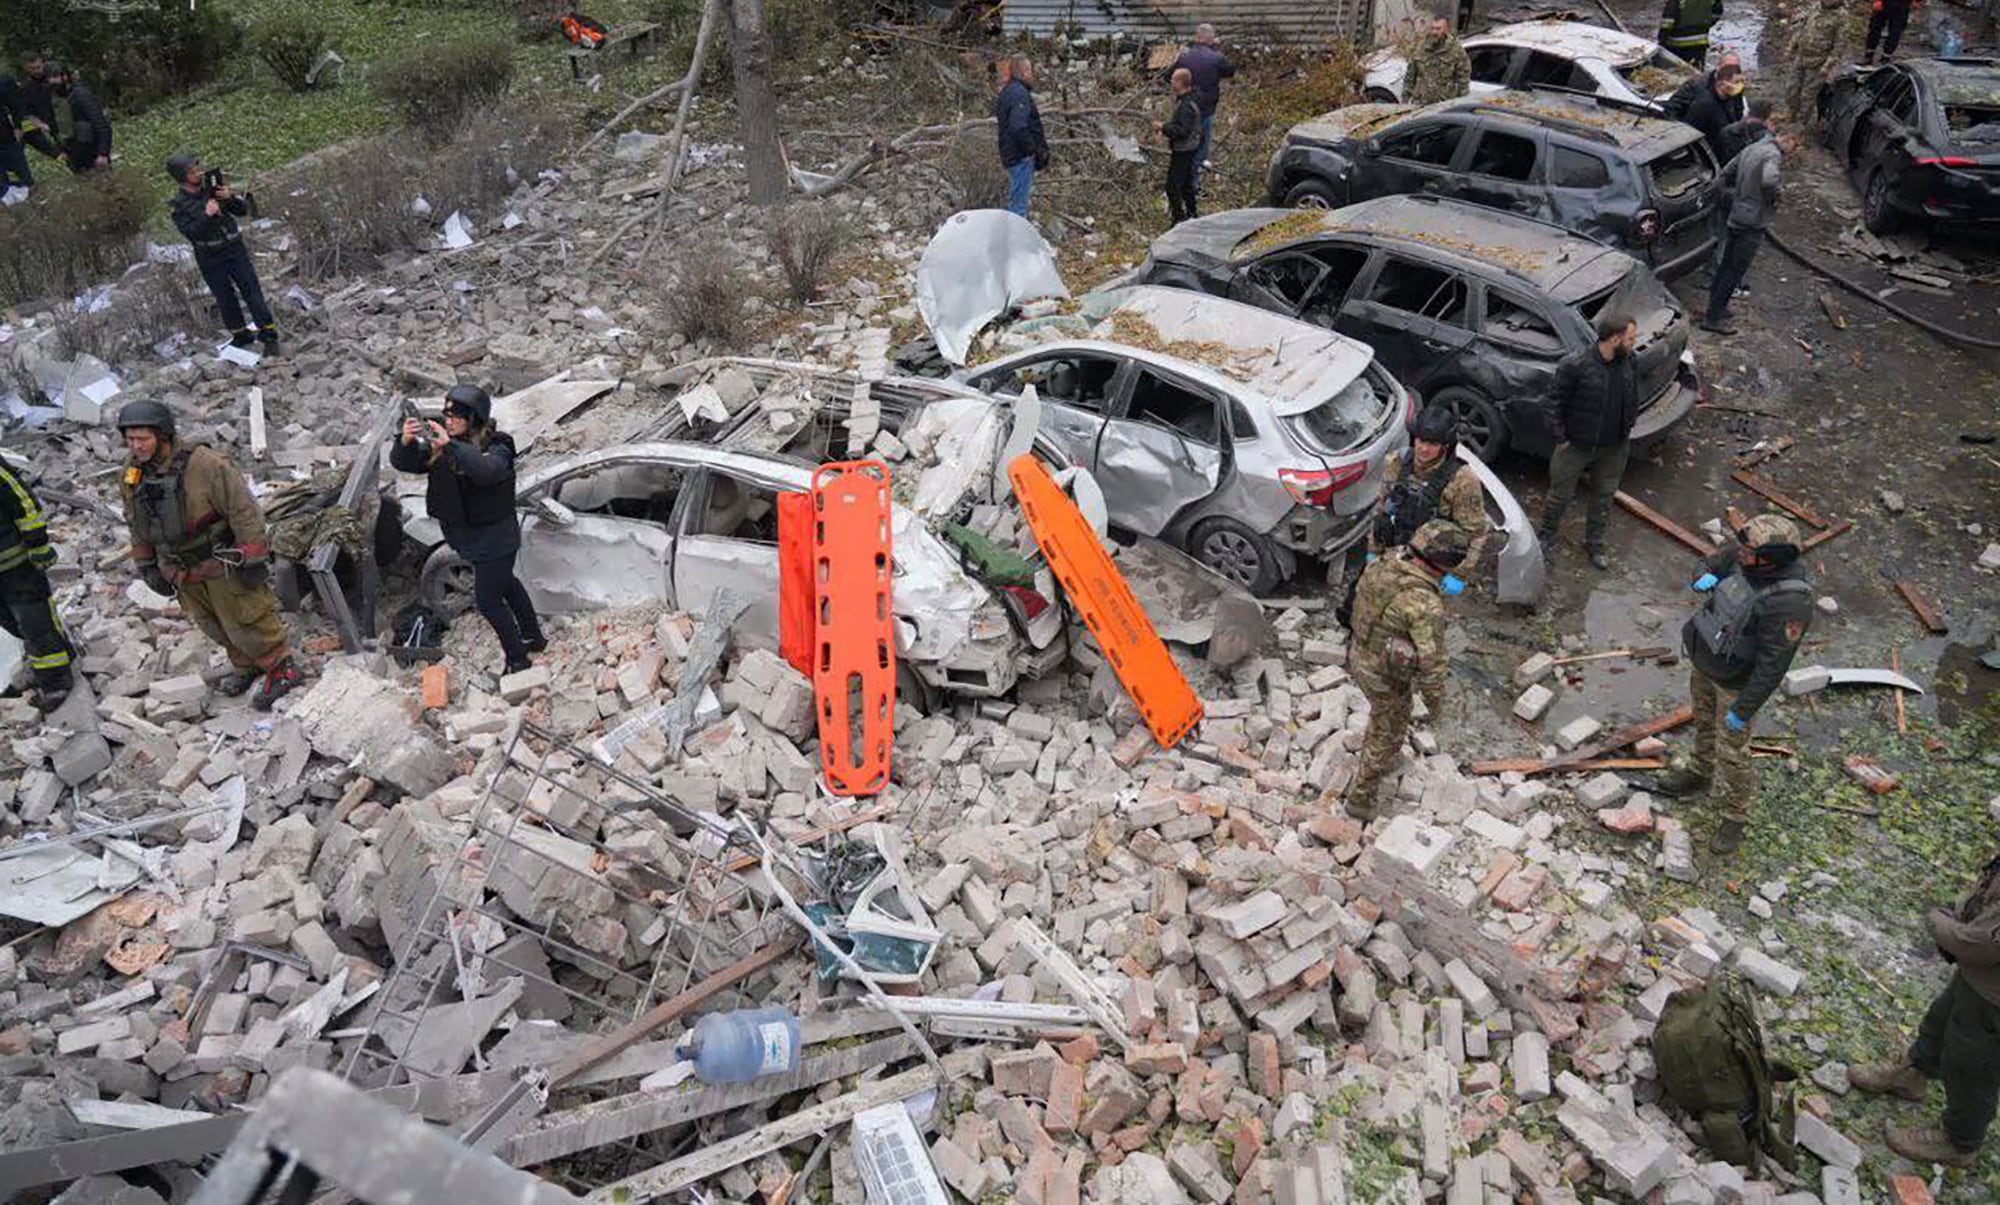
(1054, 961)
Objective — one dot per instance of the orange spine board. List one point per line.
(854, 625)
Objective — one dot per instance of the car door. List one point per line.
(1579, 194)
(1417, 157)
(1888, 135)
(608, 541)
(1853, 100)
(1492, 66)
(1517, 329)
(1162, 452)
(1504, 170)
(1415, 315)
(1076, 388)
(726, 537)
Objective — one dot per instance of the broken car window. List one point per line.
(1504, 156)
(631, 491)
(1433, 144)
(1571, 168)
(1421, 289)
(1241, 428)
(1555, 71)
(1163, 403)
(737, 510)
(1513, 321)
(1968, 123)
(1347, 417)
(1489, 63)
(1075, 380)
(1900, 99)
(1679, 171)
(1288, 276)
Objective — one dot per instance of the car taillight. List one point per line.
(1032, 603)
(1947, 161)
(1316, 487)
(1648, 224)
(1410, 411)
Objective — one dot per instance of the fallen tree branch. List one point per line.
(711, 13)
(877, 152)
(618, 118)
(685, 85)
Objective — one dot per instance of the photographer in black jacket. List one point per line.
(205, 210)
(471, 495)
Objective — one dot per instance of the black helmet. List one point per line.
(1441, 544)
(177, 167)
(1436, 423)
(473, 401)
(147, 413)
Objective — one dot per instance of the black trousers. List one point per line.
(1739, 247)
(504, 601)
(29, 615)
(1890, 20)
(1959, 1043)
(14, 166)
(1180, 186)
(231, 272)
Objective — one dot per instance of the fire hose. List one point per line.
(1860, 290)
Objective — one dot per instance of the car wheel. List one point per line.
(446, 583)
(1878, 211)
(1313, 193)
(1379, 96)
(1237, 553)
(1480, 427)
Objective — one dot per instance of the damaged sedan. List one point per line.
(1920, 138)
(1549, 53)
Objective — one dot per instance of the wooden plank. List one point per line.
(1631, 734)
(1902, 714)
(1820, 537)
(882, 812)
(1735, 518)
(1664, 525)
(1751, 459)
(721, 1156)
(1608, 654)
(1927, 613)
(1757, 483)
(1522, 765)
(258, 440)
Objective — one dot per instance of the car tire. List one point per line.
(1480, 426)
(1379, 96)
(1312, 192)
(446, 583)
(1878, 212)
(1237, 553)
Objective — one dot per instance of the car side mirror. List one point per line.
(555, 512)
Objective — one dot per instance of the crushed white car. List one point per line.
(1550, 54)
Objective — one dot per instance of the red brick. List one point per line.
(1634, 817)
(1365, 908)
(1065, 1099)
(1910, 1190)
(1248, 1141)
(437, 686)
(1518, 890)
(1266, 1075)
(1315, 975)
(1335, 830)
(1133, 1137)
(1064, 1185)
(1080, 1051)
(1504, 863)
(1157, 1058)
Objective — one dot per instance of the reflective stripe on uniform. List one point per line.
(56, 660)
(33, 517)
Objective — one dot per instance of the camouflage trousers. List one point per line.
(1381, 746)
(242, 619)
(1802, 90)
(1720, 754)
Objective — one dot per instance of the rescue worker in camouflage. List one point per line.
(198, 536)
(1427, 482)
(1396, 648)
(1739, 645)
(1956, 1041)
(1820, 43)
(1439, 69)
(27, 610)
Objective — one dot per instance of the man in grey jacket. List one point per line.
(1754, 180)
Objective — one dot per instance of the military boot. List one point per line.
(1679, 781)
(1362, 805)
(276, 684)
(1927, 1144)
(1728, 838)
(1889, 1079)
(243, 338)
(235, 682)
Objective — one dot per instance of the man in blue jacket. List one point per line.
(1205, 62)
(1024, 149)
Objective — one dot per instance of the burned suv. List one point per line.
(1466, 305)
(1920, 137)
(1606, 171)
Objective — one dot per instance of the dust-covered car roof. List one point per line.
(1962, 81)
(1572, 38)
(1618, 125)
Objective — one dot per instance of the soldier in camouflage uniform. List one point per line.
(1396, 648)
(1439, 69)
(1819, 44)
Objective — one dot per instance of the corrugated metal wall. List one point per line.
(1277, 22)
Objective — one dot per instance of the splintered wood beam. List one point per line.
(1926, 613)
(1631, 734)
(1524, 765)
(1820, 537)
(1750, 460)
(1757, 483)
(1664, 525)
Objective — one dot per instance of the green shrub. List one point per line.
(434, 86)
(132, 60)
(290, 42)
(53, 249)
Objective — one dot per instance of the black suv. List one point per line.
(1921, 137)
(1608, 171)
(1470, 306)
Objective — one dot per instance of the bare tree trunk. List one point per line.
(756, 105)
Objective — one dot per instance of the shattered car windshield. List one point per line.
(1660, 72)
(1346, 418)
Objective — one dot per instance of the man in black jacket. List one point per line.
(18, 130)
(207, 216)
(1593, 403)
(1712, 102)
(1208, 66)
(82, 131)
(1183, 134)
(1740, 644)
(1024, 149)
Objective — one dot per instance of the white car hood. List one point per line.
(980, 264)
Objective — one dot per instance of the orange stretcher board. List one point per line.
(795, 580)
(1099, 592)
(854, 625)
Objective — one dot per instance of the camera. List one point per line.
(212, 180)
(410, 411)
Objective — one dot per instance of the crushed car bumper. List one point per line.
(1673, 404)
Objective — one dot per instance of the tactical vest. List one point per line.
(1709, 1051)
(1720, 624)
(1691, 24)
(160, 518)
(1411, 502)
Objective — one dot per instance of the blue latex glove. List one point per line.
(1452, 585)
(1705, 583)
(1369, 559)
(1736, 722)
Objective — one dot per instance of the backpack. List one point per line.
(1709, 1049)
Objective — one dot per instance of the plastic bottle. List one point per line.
(736, 1047)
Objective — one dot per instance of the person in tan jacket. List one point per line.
(1959, 1039)
(198, 536)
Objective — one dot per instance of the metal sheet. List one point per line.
(528, 414)
(1871, 677)
(51, 886)
(1279, 22)
(980, 264)
(1521, 573)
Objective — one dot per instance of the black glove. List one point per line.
(155, 580)
(254, 574)
(42, 556)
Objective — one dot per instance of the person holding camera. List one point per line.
(470, 463)
(205, 210)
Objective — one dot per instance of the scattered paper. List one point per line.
(510, 221)
(420, 207)
(239, 355)
(101, 390)
(457, 234)
(671, 1076)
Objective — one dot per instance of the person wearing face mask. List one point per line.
(1711, 103)
(1591, 407)
(1396, 649)
(1440, 69)
(1740, 645)
(470, 463)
